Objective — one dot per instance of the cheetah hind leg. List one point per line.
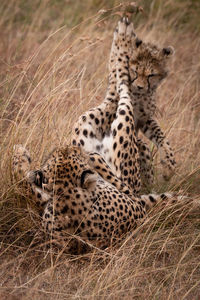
(124, 152)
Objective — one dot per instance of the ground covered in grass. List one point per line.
(53, 66)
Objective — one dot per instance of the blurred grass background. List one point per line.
(53, 66)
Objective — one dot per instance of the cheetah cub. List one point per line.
(147, 69)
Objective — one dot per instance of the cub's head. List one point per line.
(148, 66)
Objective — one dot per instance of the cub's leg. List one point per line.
(154, 133)
(145, 161)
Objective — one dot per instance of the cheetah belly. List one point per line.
(107, 151)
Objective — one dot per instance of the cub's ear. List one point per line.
(88, 179)
(138, 42)
(168, 51)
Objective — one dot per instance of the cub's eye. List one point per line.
(133, 73)
(153, 75)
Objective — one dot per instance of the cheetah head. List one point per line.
(77, 169)
(148, 66)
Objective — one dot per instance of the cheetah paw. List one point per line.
(124, 30)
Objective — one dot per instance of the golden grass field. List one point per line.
(53, 67)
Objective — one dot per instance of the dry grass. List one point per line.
(53, 67)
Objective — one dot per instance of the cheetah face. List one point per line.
(148, 67)
(76, 168)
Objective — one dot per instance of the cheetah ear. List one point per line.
(168, 51)
(36, 177)
(138, 42)
(88, 179)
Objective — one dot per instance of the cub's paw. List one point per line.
(168, 161)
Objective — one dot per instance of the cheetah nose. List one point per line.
(140, 87)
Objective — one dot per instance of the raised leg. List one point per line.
(124, 153)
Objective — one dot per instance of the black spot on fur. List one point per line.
(85, 132)
(163, 196)
(96, 121)
(82, 142)
(91, 116)
(152, 199)
(122, 112)
(114, 146)
(120, 126)
(65, 209)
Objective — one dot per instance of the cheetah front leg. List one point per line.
(153, 132)
(21, 162)
(97, 162)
